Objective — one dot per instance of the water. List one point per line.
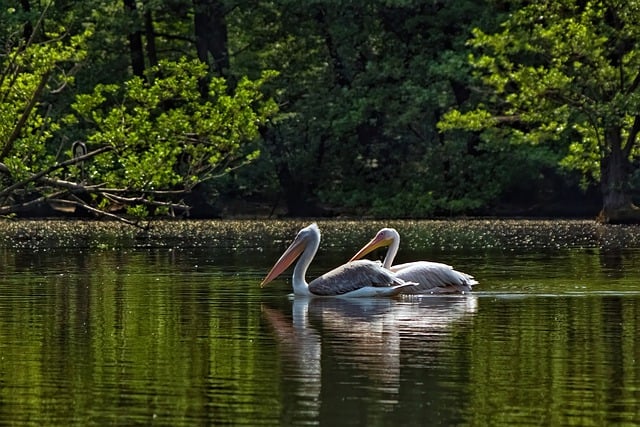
(178, 332)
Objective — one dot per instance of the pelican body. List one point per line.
(362, 278)
(432, 277)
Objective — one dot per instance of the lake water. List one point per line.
(172, 328)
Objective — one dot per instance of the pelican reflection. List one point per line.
(361, 342)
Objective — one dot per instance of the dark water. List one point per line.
(178, 332)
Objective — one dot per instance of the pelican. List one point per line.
(354, 279)
(432, 277)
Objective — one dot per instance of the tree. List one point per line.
(566, 72)
(210, 29)
(147, 142)
(28, 72)
(362, 87)
(161, 139)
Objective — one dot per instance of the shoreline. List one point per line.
(470, 232)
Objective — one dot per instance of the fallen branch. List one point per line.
(80, 203)
(108, 193)
(5, 210)
(142, 200)
(70, 190)
(41, 174)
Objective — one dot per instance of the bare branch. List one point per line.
(142, 200)
(71, 72)
(634, 84)
(80, 203)
(41, 174)
(507, 119)
(25, 115)
(148, 192)
(72, 186)
(4, 210)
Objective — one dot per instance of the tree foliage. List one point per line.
(28, 71)
(386, 108)
(150, 139)
(565, 73)
(362, 87)
(163, 135)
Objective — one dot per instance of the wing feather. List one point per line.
(433, 277)
(353, 276)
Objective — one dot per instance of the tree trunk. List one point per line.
(150, 34)
(135, 41)
(27, 30)
(296, 192)
(339, 69)
(617, 205)
(211, 34)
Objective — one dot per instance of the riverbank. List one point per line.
(461, 232)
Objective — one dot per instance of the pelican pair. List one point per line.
(365, 278)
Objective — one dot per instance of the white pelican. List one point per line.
(354, 279)
(432, 277)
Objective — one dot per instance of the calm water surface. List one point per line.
(177, 331)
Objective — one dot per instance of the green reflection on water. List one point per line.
(183, 335)
(556, 361)
(120, 336)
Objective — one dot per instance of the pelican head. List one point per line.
(306, 236)
(384, 237)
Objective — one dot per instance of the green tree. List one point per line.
(29, 72)
(148, 141)
(362, 87)
(164, 138)
(566, 72)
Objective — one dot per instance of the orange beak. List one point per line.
(286, 259)
(377, 242)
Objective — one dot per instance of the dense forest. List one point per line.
(384, 108)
